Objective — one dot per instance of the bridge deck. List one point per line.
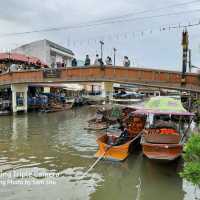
(148, 77)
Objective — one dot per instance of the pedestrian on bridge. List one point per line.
(97, 60)
(87, 60)
(74, 62)
(108, 61)
(126, 61)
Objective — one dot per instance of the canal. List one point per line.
(43, 156)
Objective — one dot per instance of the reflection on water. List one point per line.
(57, 146)
(155, 180)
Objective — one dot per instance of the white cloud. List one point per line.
(153, 50)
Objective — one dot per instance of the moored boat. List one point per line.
(115, 153)
(162, 146)
(57, 107)
(97, 126)
(4, 112)
(104, 118)
(108, 149)
(168, 129)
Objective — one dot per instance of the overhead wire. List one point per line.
(134, 34)
(148, 10)
(99, 23)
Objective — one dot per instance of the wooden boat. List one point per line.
(163, 140)
(112, 114)
(57, 107)
(4, 112)
(162, 146)
(97, 126)
(120, 152)
(106, 115)
(68, 106)
(94, 100)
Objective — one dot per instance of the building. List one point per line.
(48, 52)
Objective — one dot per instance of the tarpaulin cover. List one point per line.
(163, 105)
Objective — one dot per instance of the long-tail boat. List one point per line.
(167, 130)
(107, 147)
(104, 118)
(108, 115)
(57, 107)
(97, 126)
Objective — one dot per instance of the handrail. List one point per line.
(138, 76)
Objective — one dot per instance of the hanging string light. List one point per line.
(129, 35)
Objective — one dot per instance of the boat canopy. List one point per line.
(164, 106)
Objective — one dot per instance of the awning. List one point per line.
(74, 87)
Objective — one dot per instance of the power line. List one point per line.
(151, 17)
(134, 34)
(100, 23)
(147, 11)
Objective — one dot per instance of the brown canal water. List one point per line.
(43, 156)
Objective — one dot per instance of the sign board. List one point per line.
(51, 73)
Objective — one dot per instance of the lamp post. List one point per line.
(101, 43)
(190, 62)
(114, 49)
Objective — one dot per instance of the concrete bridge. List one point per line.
(19, 81)
(138, 76)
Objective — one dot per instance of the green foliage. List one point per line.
(198, 102)
(191, 171)
(192, 149)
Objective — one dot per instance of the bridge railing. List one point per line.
(129, 74)
(97, 73)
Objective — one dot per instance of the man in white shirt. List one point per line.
(96, 61)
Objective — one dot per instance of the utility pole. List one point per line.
(101, 43)
(114, 49)
(9, 63)
(185, 43)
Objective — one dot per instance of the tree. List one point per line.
(191, 170)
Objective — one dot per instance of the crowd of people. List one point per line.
(99, 62)
(11, 67)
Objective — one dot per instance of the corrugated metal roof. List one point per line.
(21, 58)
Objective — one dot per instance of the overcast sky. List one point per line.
(138, 37)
